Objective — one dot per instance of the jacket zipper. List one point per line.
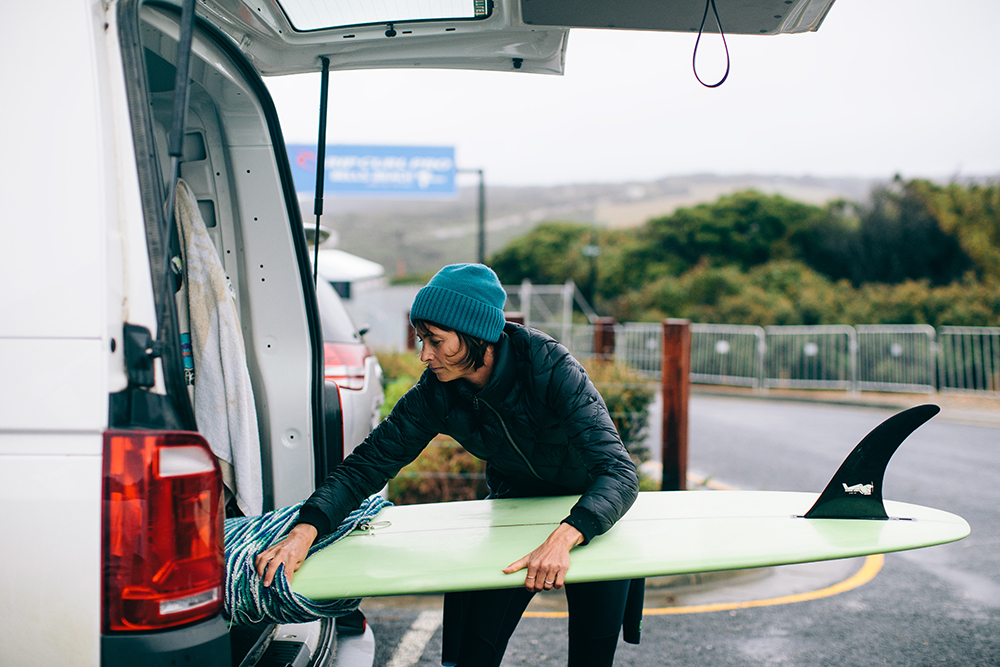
(475, 404)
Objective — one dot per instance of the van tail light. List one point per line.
(163, 561)
(345, 364)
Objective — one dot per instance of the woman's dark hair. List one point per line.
(475, 348)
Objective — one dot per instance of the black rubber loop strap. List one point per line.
(694, 56)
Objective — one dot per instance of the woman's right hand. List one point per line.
(291, 552)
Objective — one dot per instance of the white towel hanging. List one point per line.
(223, 396)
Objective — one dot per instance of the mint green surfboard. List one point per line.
(464, 545)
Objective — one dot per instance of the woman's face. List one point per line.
(443, 352)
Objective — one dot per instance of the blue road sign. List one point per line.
(380, 171)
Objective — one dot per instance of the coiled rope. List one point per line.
(247, 601)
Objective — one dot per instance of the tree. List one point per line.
(549, 254)
(915, 253)
(743, 229)
(970, 215)
(893, 238)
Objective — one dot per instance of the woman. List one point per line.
(515, 398)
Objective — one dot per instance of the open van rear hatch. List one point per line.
(290, 36)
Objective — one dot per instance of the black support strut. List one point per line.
(324, 95)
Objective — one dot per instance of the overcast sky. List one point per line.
(884, 87)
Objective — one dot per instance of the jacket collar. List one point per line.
(501, 380)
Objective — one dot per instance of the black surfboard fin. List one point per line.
(855, 492)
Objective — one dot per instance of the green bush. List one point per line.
(400, 371)
(789, 292)
(397, 365)
(628, 396)
(394, 391)
(444, 471)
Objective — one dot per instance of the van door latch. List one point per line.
(140, 351)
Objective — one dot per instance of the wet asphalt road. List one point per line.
(936, 606)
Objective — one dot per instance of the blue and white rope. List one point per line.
(247, 601)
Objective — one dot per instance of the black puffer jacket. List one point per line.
(539, 423)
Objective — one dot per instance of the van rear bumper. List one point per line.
(196, 645)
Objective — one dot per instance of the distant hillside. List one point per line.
(413, 236)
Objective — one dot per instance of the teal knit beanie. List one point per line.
(463, 297)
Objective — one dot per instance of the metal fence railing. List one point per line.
(727, 354)
(546, 306)
(578, 338)
(641, 345)
(896, 358)
(892, 358)
(811, 357)
(969, 359)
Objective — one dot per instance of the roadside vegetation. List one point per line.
(914, 253)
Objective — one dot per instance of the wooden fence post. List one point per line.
(604, 338)
(411, 334)
(676, 388)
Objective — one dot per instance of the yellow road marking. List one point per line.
(867, 572)
(871, 567)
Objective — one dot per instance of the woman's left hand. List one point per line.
(546, 566)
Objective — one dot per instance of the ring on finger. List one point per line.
(549, 583)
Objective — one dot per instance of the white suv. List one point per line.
(112, 472)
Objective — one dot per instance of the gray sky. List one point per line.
(884, 87)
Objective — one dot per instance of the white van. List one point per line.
(112, 492)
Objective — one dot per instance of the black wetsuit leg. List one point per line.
(480, 623)
(596, 611)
